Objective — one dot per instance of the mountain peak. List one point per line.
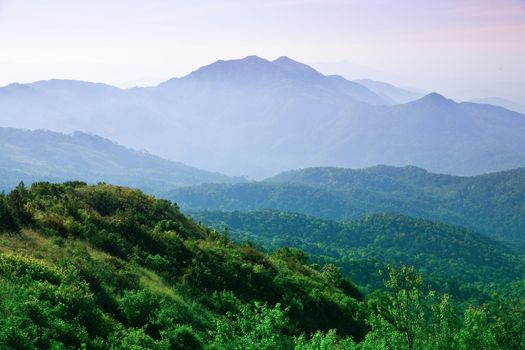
(435, 97)
(248, 60)
(253, 58)
(254, 68)
(297, 69)
(284, 59)
(243, 69)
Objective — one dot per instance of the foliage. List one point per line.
(491, 204)
(253, 328)
(414, 320)
(454, 260)
(106, 267)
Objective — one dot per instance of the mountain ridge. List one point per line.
(491, 204)
(36, 155)
(258, 117)
(394, 94)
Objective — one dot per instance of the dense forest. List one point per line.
(106, 267)
(462, 263)
(491, 204)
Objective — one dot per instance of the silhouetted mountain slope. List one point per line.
(491, 204)
(44, 155)
(501, 102)
(389, 92)
(258, 117)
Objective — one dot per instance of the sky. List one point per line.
(461, 48)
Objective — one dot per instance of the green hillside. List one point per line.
(455, 260)
(106, 267)
(492, 204)
(94, 264)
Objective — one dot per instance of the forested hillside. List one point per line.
(43, 155)
(492, 204)
(454, 260)
(106, 267)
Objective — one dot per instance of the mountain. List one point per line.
(454, 258)
(491, 204)
(378, 178)
(45, 155)
(501, 102)
(435, 133)
(261, 74)
(257, 117)
(391, 93)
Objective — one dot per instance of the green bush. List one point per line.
(138, 307)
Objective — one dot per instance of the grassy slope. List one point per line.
(100, 265)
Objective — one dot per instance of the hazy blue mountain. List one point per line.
(501, 102)
(283, 73)
(258, 117)
(435, 133)
(492, 204)
(44, 155)
(391, 93)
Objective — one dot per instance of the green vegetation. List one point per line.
(491, 204)
(101, 265)
(454, 260)
(106, 267)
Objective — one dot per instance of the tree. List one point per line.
(16, 202)
(446, 325)
(509, 324)
(400, 323)
(324, 341)
(7, 220)
(476, 333)
(254, 327)
(406, 307)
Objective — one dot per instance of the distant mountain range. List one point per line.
(390, 93)
(44, 155)
(492, 204)
(258, 117)
(496, 101)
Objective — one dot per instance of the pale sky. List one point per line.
(461, 48)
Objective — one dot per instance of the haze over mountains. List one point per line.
(157, 194)
(257, 117)
(49, 156)
(390, 93)
(496, 101)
